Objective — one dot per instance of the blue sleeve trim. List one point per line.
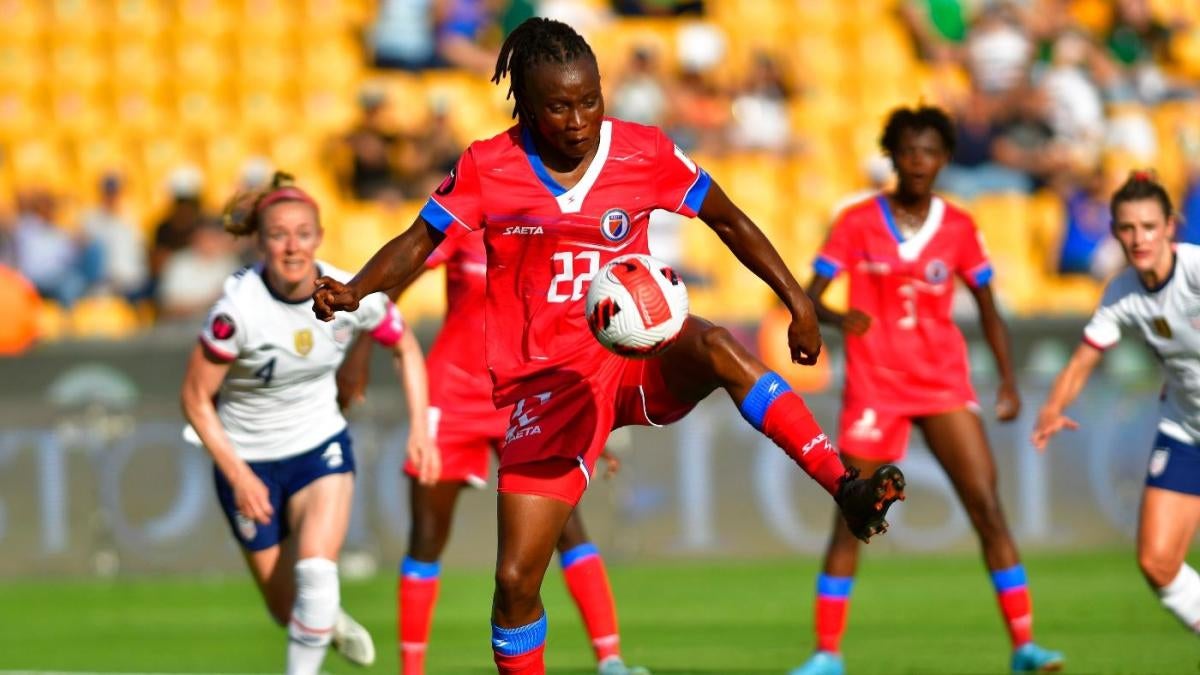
(519, 640)
(436, 215)
(415, 569)
(694, 199)
(826, 267)
(585, 550)
(983, 276)
(1007, 580)
(834, 587)
(764, 392)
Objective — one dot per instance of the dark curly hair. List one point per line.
(1141, 185)
(917, 119)
(536, 41)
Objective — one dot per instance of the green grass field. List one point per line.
(910, 615)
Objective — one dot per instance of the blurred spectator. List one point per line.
(122, 247)
(1086, 229)
(60, 267)
(464, 30)
(174, 231)
(1076, 110)
(639, 94)
(403, 35)
(699, 114)
(658, 7)
(998, 51)
(974, 168)
(426, 159)
(760, 109)
(373, 147)
(193, 277)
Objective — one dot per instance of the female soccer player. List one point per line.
(468, 429)
(906, 362)
(284, 462)
(1158, 296)
(557, 196)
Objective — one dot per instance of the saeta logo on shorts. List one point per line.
(523, 418)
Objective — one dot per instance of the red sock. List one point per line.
(1012, 591)
(530, 663)
(833, 602)
(790, 424)
(583, 570)
(414, 604)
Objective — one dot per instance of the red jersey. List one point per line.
(459, 383)
(913, 359)
(544, 242)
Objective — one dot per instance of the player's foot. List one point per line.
(821, 663)
(865, 501)
(353, 641)
(1030, 658)
(613, 665)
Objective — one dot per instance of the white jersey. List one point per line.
(279, 398)
(1168, 318)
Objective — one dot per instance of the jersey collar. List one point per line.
(910, 249)
(262, 272)
(569, 201)
(1162, 284)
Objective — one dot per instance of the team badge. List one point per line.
(1158, 462)
(1161, 327)
(342, 331)
(936, 271)
(222, 326)
(245, 526)
(614, 225)
(447, 185)
(303, 340)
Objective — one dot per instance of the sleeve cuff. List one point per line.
(437, 215)
(694, 198)
(981, 275)
(390, 329)
(826, 266)
(216, 352)
(1096, 344)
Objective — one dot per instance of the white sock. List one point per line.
(1182, 597)
(314, 614)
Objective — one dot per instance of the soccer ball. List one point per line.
(636, 306)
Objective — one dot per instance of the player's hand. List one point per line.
(856, 322)
(612, 463)
(804, 339)
(1008, 402)
(1049, 423)
(252, 498)
(333, 296)
(427, 457)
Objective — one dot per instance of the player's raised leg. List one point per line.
(958, 441)
(706, 357)
(1166, 528)
(432, 509)
(587, 582)
(529, 526)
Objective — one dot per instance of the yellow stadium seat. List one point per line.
(225, 156)
(333, 60)
(326, 109)
(295, 153)
(477, 108)
(133, 19)
(78, 110)
(158, 156)
(138, 63)
(103, 317)
(78, 62)
(21, 112)
(206, 18)
(265, 62)
(52, 321)
(332, 14)
(1076, 295)
(97, 155)
(39, 162)
(263, 109)
(202, 110)
(79, 17)
(425, 300)
(616, 42)
(141, 111)
(266, 19)
(21, 65)
(200, 62)
(22, 19)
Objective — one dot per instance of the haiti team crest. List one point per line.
(615, 225)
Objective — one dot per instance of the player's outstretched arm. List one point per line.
(410, 366)
(1008, 400)
(200, 383)
(752, 248)
(853, 321)
(397, 262)
(1066, 389)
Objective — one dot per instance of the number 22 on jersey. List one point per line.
(571, 272)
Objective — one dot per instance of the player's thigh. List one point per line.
(319, 514)
(705, 357)
(273, 572)
(1170, 509)
(529, 527)
(959, 443)
(573, 532)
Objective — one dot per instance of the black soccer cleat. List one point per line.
(865, 501)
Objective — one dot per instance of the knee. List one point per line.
(516, 584)
(718, 340)
(1158, 567)
(987, 517)
(318, 598)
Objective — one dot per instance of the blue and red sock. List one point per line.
(520, 650)
(775, 410)
(1012, 591)
(416, 596)
(587, 581)
(833, 603)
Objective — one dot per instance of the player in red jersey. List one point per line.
(468, 429)
(557, 196)
(906, 362)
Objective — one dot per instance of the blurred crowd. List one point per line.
(1050, 96)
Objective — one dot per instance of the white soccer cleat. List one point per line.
(613, 665)
(353, 641)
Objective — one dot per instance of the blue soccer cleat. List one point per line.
(822, 663)
(1030, 658)
(613, 665)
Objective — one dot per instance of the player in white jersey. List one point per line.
(1158, 297)
(284, 462)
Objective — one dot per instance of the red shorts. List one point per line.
(556, 436)
(466, 443)
(880, 435)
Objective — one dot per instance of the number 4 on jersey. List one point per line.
(267, 372)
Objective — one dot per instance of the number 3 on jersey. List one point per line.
(567, 283)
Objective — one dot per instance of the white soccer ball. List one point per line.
(636, 306)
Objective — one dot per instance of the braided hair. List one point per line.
(1141, 184)
(534, 42)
